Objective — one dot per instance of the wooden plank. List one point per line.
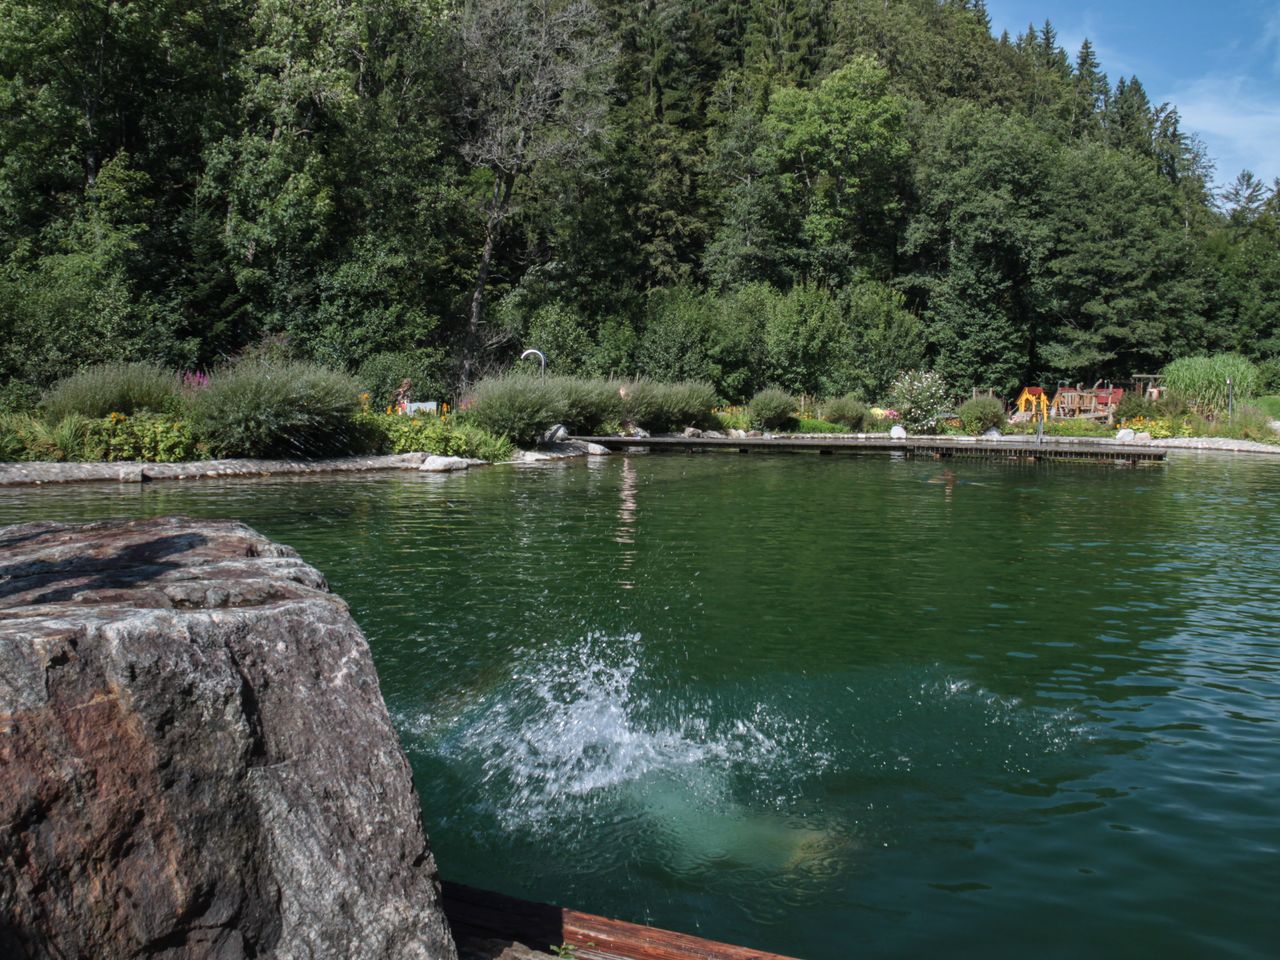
(597, 938)
(473, 912)
(959, 447)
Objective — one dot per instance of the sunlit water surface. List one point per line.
(827, 707)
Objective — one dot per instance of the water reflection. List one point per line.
(625, 532)
(835, 707)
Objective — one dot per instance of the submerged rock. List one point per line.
(438, 464)
(195, 758)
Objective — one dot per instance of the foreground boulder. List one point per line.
(195, 758)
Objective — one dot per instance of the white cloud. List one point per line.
(1238, 122)
(1269, 40)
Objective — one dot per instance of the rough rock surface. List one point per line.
(437, 464)
(20, 474)
(195, 758)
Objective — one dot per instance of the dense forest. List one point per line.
(812, 193)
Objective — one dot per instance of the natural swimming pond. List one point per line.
(828, 707)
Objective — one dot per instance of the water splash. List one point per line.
(583, 726)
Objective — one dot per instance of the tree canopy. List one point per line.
(817, 194)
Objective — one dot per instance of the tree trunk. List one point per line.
(498, 204)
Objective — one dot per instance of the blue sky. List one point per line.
(1218, 63)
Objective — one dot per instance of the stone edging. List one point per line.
(38, 474)
(41, 473)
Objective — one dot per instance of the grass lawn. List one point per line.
(1270, 404)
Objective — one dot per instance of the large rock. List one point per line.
(195, 758)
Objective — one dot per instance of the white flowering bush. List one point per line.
(922, 398)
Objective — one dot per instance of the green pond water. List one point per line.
(828, 707)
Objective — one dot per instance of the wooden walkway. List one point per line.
(935, 447)
(486, 916)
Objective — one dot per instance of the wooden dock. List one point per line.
(937, 448)
(480, 917)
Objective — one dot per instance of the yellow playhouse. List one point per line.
(1034, 400)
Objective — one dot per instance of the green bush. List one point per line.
(1248, 422)
(1068, 427)
(523, 407)
(1202, 381)
(108, 388)
(267, 408)
(810, 425)
(144, 436)
(24, 437)
(772, 408)
(980, 414)
(734, 418)
(14, 430)
(392, 433)
(664, 407)
(516, 405)
(382, 374)
(847, 411)
(585, 405)
(1269, 375)
(1270, 406)
(17, 396)
(684, 404)
(922, 398)
(1134, 404)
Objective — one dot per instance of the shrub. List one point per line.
(732, 418)
(390, 433)
(107, 388)
(1068, 427)
(14, 429)
(1248, 423)
(268, 408)
(1202, 381)
(144, 436)
(684, 404)
(523, 407)
(24, 437)
(19, 397)
(847, 411)
(587, 404)
(922, 399)
(662, 407)
(382, 374)
(809, 425)
(980, 414)
(1269, 375)
(1270, 406)
(515, 405)
(772, 407)
(1134, 404)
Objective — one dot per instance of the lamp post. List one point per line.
(1230, 401)
(542, 360)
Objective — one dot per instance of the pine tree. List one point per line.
(1091, 89)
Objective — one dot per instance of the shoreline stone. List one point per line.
(195, 757)
(39, 474)
(436, 464)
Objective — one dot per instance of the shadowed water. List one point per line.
(827, 707)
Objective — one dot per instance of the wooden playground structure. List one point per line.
(1098, 402)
